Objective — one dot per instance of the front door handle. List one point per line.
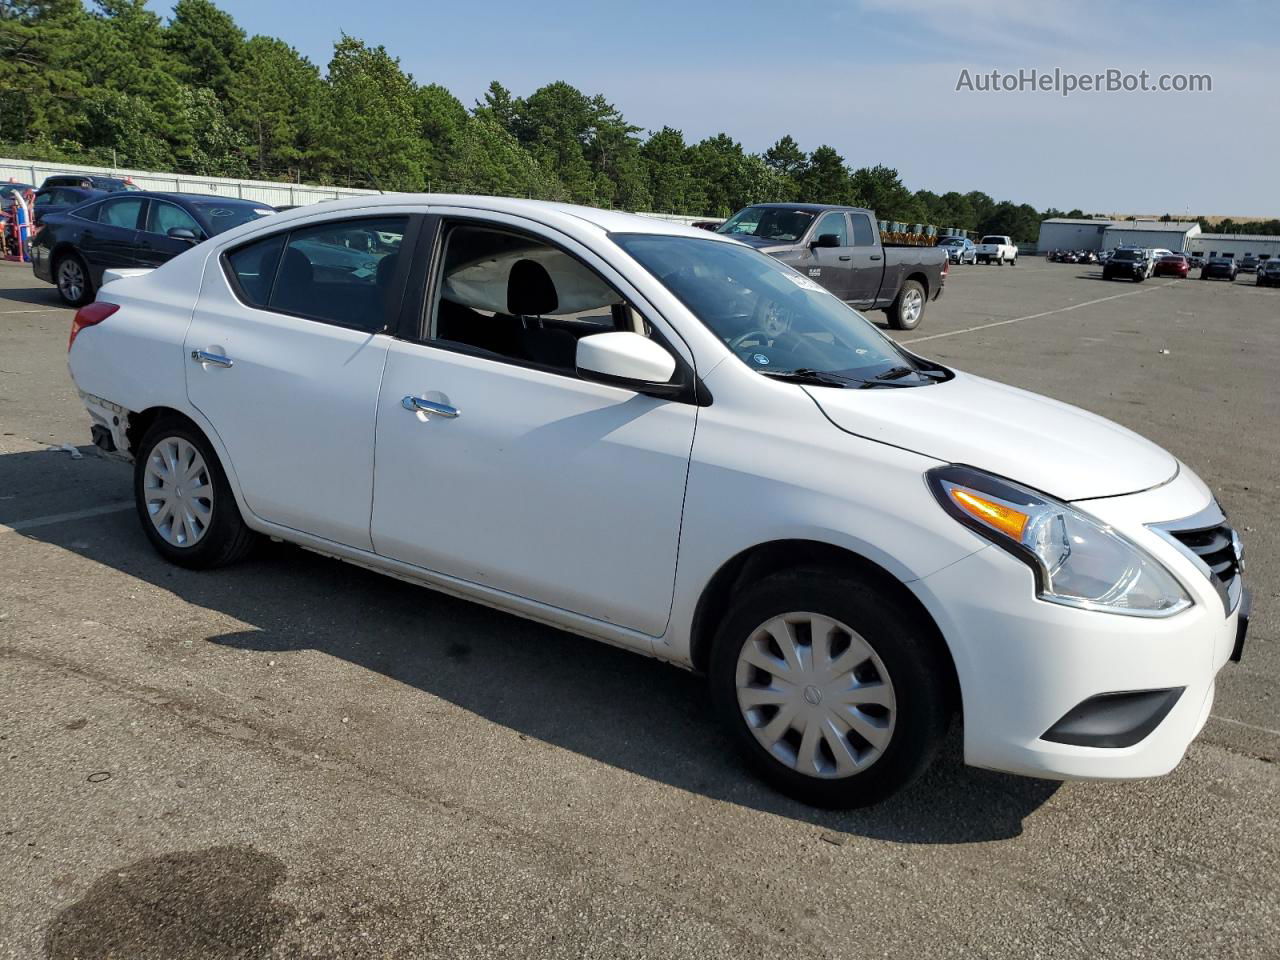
(216, 359)
(875, 256)
(419, 405)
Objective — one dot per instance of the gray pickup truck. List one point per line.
(840, 248)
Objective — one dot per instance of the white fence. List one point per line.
(264, 191)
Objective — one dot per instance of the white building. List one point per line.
(1065, 233)
(1236, 245)
(1172, 235)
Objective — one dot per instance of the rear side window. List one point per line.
(121, 213)
(862, 235)
(254, 268)
(88, 212)
(341, 272)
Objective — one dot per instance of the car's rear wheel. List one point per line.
(833, 691)
(183, 499)
(71, 276)
(908, 310)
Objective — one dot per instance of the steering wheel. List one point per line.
(736, 343)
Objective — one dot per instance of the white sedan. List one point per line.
(657, 437)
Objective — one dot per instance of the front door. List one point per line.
(284, 355)
(530, 480)
(155, 246)
(829, 266)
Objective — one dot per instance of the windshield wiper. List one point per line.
(895, 373)
(816, 378)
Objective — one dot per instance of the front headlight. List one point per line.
(1077, 560)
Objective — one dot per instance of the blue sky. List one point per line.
(877, 80)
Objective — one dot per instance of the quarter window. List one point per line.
(254, 267)
(523, 300)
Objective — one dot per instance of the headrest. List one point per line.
(530, 292)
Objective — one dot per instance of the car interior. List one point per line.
(520, 299)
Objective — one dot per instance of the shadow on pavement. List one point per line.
(41, 296)
(614, 706)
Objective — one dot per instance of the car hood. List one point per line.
(1059, 449)
(762, 244)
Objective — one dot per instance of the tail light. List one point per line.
(89, 315)
(946, 266)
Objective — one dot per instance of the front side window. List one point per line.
(164, 217)
(121, 213)
(775, 319)
(518, 298)
(833, 223)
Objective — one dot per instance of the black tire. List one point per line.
(226, 539)
(899, 313)
(909, 654)
(1139, 278)
(74, 262)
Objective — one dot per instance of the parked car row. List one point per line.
(1138, 263)
(127, 229)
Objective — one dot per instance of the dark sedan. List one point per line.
(135, 229)
(1269, 273)
(1126, 264)
(1218, 268)
(51, 200)
(1248, 264)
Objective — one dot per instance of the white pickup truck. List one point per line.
(997, 249)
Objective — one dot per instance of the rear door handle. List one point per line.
(875, 256)
(216, 359)
(846, 257)
(430, 407)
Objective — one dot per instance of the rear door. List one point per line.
(830, 266)
(112, 239)
(284, 355)
(867, 263)
(154, 245)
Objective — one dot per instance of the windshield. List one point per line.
(219, 216)
(768, 223)
(951, 242)
(995, 240)
(776, 320)
(1125, 255)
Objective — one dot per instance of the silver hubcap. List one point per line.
(71, 279)
(911, 304)
(178, 492)
(815, 695)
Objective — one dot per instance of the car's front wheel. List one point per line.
(71, 275)
(183, 499)
(834, 692)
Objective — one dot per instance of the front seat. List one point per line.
(531, 294)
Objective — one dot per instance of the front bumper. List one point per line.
(1025, 664)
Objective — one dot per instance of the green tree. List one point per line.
(673, 188)
(825, 179)
(274, 102)
(207, 47)
(499, 106)
(442, 120)
(374, 128)
(489, 160)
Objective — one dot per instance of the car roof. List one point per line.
(191, 197)
(547, 212)
(810, 207)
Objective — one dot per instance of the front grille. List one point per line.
(1215, 546)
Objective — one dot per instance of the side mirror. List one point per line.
(626, 359)
(183, 233)
(826, 240)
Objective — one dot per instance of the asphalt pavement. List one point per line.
(297, 758)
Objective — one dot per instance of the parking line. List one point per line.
(5, 313)
(1036, 316)
(34, 522)
(1247, 726)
